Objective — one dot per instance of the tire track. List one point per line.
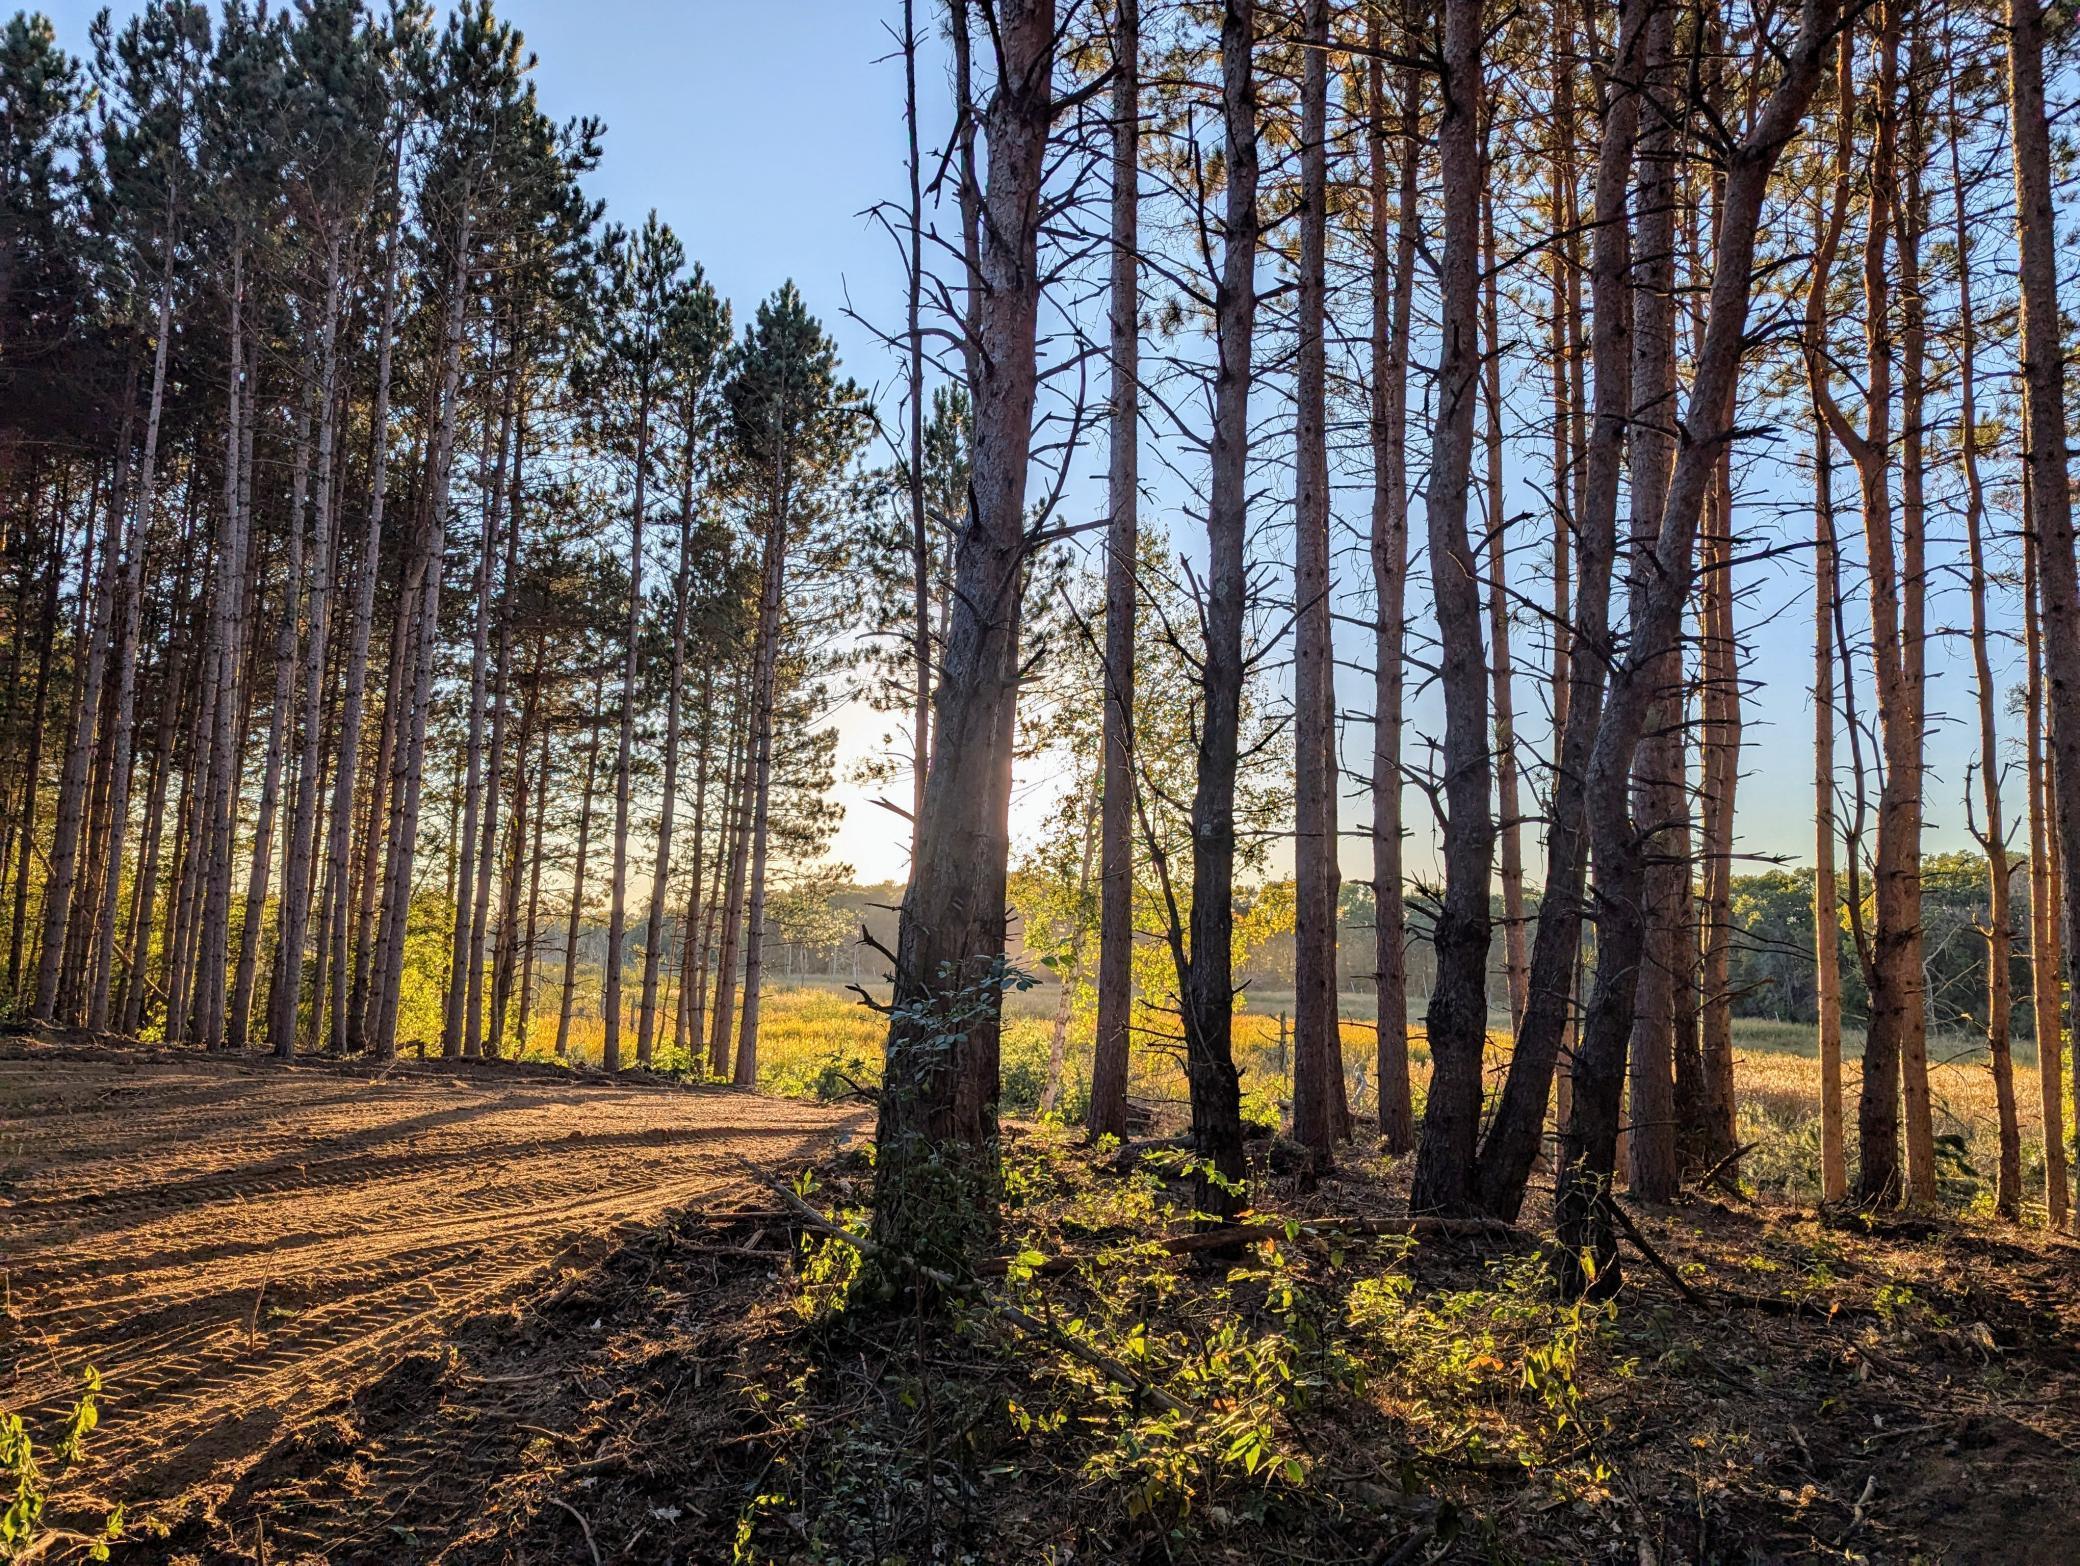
(235, 1247)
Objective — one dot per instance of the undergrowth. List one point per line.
(1219, 1401)
(29, 1484)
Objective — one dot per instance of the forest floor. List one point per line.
(491, 1317)
(236, 1246)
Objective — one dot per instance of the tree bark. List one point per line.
(1910, 221)
(104, 959)
(1108, 1108)
(1660, 797)
(1318, 1050)
(1206, 982)
(1516, 962)
(577, 914)
(1587, 1258)
(1516, 1133)
(2044, 973)
(624, 755)
(408, 768)
(59, 878)
(1993, 833)
(1720, 742)
(508, 477)
(227, 644)
(765, 682)
(530, 941)
(1393, 296)
(1458, 1013)
(938, 1106)
(1827, 934)
(526, 813)
(32, 764)
(689, 1019)
(465, 949)
(660, 880)
(920, 538)
(280, 725)
(346, 1029)
(737, 830)
(1895, 967)
(303, 831)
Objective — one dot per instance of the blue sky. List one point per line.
(761, 130)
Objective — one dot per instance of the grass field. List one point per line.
(818, 1041)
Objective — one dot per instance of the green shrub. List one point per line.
(24, 1535)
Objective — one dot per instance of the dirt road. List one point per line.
(235, 1245)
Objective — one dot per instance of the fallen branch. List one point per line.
(1712, 1174)
(1768, 1304)
(755, 1252)
(1006, 1311)
(1777, 1305)
(723, 1219)
(584, 1527)
(1660, 1262)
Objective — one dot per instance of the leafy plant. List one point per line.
(24, 1535)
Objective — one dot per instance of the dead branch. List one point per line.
(584, 1527)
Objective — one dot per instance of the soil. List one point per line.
(488, 1317)
(239, 1246)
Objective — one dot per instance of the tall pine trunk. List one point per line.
(737, 834)
(409, 764)
(1206, 980)
(225, 740)
(1827, 905)
(280, 727)
(1516, 1132)
(1318, 1051)
(1458, 1014)
(1587, 1253)
(1516, 961)
(938, 1105)
(660, 881)
(303, 829)
(1393, 296)
(1660, 799)
(2044, 972)
(1108, 1106)
(765, 688)
(1895, 966)
(347, 994)
(1720, 743)
(624, 754)
(1992, 831)
(465, 948)
(577, 913)
(32, 763)
(127, 653)
(63, 867)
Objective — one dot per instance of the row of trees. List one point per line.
(354, 466)
(1641, 215)
(356, 472)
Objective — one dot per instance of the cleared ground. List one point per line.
(236, 1245)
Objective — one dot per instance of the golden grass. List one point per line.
(818, 1041)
